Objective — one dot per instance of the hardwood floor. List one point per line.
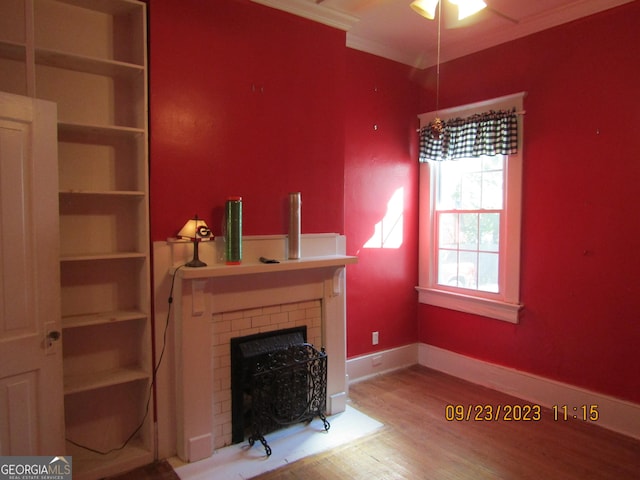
(161, 470)
(417, 442)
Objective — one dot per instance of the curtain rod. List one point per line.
(520, 112)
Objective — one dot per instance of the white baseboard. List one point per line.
(614, 414)
(367, 366)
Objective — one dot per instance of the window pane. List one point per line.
(449, 190)
(457, 269)
(448, 228)
(469, 231)
(490, 232)
(448, 267)
(493, 163)
(471, 187)
(492, 190)
(467, 268)
(488, 272)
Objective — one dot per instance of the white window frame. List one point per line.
(505, 305)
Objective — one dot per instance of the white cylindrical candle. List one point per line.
(294, 225)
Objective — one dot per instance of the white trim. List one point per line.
(373, 364)
(199, 293)
(313, 11)
(509, 312)
(383, 50)
(505, 305)
(615, 414)
(421, 58)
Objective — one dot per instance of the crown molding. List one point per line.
(313, 11)
(380, 50)
(418, 57)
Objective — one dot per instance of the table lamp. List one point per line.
(197, 231)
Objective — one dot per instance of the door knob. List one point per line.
(51, 337)
(54, 335)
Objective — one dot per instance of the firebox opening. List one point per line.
(246, 353)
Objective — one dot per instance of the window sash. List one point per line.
(504, 305)
(472, 277)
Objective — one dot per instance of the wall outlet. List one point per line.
(374, 338)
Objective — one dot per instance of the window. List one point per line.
(468, 216)
(470, 225)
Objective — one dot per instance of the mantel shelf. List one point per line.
(250, 268)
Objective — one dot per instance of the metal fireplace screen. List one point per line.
(246, 353)
(288, 386)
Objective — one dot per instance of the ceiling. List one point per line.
(391, 29)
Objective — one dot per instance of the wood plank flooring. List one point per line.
(417, 441)
(161, 470)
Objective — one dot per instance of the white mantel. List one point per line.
(201, 294)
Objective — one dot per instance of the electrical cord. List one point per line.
(153, 382)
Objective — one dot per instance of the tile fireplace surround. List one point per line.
(213, 304)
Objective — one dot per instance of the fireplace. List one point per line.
(213, 304)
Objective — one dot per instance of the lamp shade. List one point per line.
(426, 8)
(466, 8)
(195, 228)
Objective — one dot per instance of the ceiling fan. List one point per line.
(466, 8)
(426, 8)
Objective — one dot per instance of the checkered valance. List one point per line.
(490, 133)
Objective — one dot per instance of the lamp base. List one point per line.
(195, 263)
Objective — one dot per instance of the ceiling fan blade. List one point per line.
(502, 15)
(450, 20)
(353, 6)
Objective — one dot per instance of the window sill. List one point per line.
(507, 312)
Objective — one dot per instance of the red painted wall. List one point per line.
(311, 130)
(381, 152)
(248, 100)
(244, 100)
(580, 284)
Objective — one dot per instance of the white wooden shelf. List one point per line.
(90, 58)
(97, 380)
(102, 256)
(101, 318)
(104, 130)
(109, 7)
(249, 268)
(107, 193)
(13, 51)
(81, 63)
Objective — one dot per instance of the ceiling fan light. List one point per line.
(466, 8)
(426, 8)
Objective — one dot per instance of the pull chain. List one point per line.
(436, 124)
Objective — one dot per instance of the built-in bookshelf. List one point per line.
(89, 56)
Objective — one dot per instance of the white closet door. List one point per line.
(31, 386)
